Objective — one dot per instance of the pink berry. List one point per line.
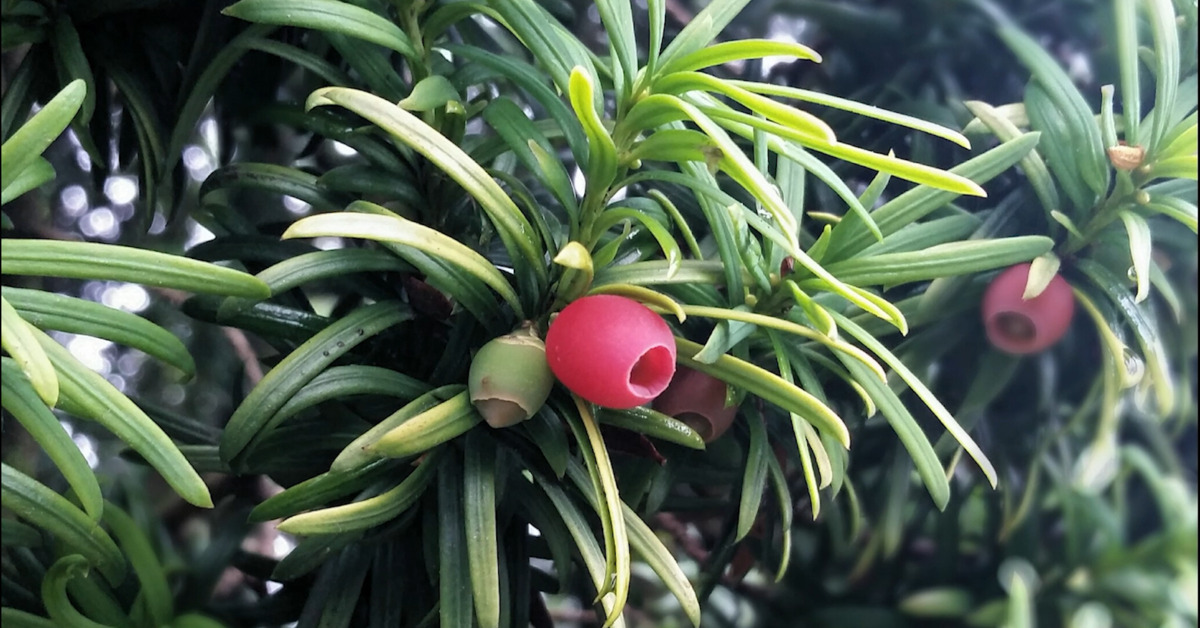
(611, 350)
(1019, 326)
(698, 399)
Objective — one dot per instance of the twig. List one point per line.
(679, 11)
(245, 353)
(679, 531)
(237, 338)
(577, 615)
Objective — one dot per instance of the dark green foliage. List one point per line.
(384, 187)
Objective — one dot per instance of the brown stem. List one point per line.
(245, 353)
(678, 530)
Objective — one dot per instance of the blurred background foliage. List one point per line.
(191, 137)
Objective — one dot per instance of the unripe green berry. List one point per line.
(510, 379)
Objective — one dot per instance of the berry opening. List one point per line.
(1015, 327)
(500, 412)
(652, 372)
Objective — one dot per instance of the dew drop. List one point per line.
(1135, 368)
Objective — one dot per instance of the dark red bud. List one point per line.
(698, 399)
(426, 299)
(1019, 326)
(611, 351)
(741, 564)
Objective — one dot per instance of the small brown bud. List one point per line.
(1125, 157)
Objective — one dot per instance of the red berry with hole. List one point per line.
(611, 351)
(698, 399)
(1022, 326)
